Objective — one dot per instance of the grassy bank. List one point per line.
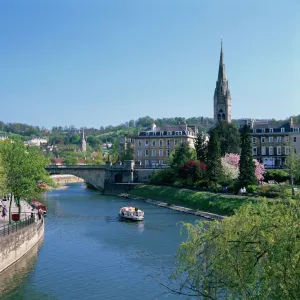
(215, 203)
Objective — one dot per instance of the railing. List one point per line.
(14, 227)
(76, 167)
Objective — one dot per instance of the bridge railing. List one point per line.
(76, 167)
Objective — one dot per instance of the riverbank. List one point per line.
(65, 179)
(205, 204)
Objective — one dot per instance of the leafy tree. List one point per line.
(94, 142)
(247, 165)
(192, 169)
(182, 154)
(251, 255)
(129, 152)
(229, 137)
(293, 164)
(213, 162)
(201, 146)
(24, 168)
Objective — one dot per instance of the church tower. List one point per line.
(222, 98)
(83, 143)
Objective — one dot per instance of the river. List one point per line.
(87, 253)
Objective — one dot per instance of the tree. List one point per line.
(247, 165)
(201, 146)
(182, 154)
(213, 162)
(129, 152)
(192, 169)
(229, 137)
(231, 162)
(251, 255)
(24, 168)
(293, 165)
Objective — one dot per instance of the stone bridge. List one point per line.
(98, 176)
(94, 175)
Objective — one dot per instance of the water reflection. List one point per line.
(11, 278)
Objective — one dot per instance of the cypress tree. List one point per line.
(213, 162)
(201, 147)
(247, 165)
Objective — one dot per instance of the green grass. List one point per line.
(215, 203)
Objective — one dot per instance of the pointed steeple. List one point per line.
(222, 97)
(222, 73)
(83, 142)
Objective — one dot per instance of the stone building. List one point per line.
(272, 141)
(154, 146)
(222, 98)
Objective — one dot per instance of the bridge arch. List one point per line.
(94, 175)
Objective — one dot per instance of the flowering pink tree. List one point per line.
(230, 164)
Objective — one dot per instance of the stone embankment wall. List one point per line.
(17, 244)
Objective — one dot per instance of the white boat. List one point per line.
(131, 213)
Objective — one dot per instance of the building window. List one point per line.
(169, 133)
(146, 162)
(263, 139)
(271, 151)
(282, 129)
(153, 143)
(139, 153)
(254, 130)
(168, 143)
(146, 152)
(254, 151)
(153, 152)
(146, 143)
(175, 142)
(278, 150)
(254, 140)
(168, 152)
(295, 139)
(263, 130)
(140, 143)
(286, 150)
(287, 138)
(270, 139)
(161, 143)
(295, 151)
(161, 152)
(161, 162)
(279, 139)
(271, 130)
(263, 150)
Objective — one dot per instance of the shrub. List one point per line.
(163, 176)
(252, 189)
(277, 175)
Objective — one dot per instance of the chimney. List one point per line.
(291, 122)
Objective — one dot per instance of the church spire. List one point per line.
(83, 142)
(222, 98)
(222, 73)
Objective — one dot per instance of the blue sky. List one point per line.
(96, 63)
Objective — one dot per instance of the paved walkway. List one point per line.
(26, 210)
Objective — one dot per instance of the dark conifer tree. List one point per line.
(229, 137)
(247, 165)
(201, 147)
(213, 162)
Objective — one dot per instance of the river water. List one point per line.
(87, 253)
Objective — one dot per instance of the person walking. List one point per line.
(4, 212)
